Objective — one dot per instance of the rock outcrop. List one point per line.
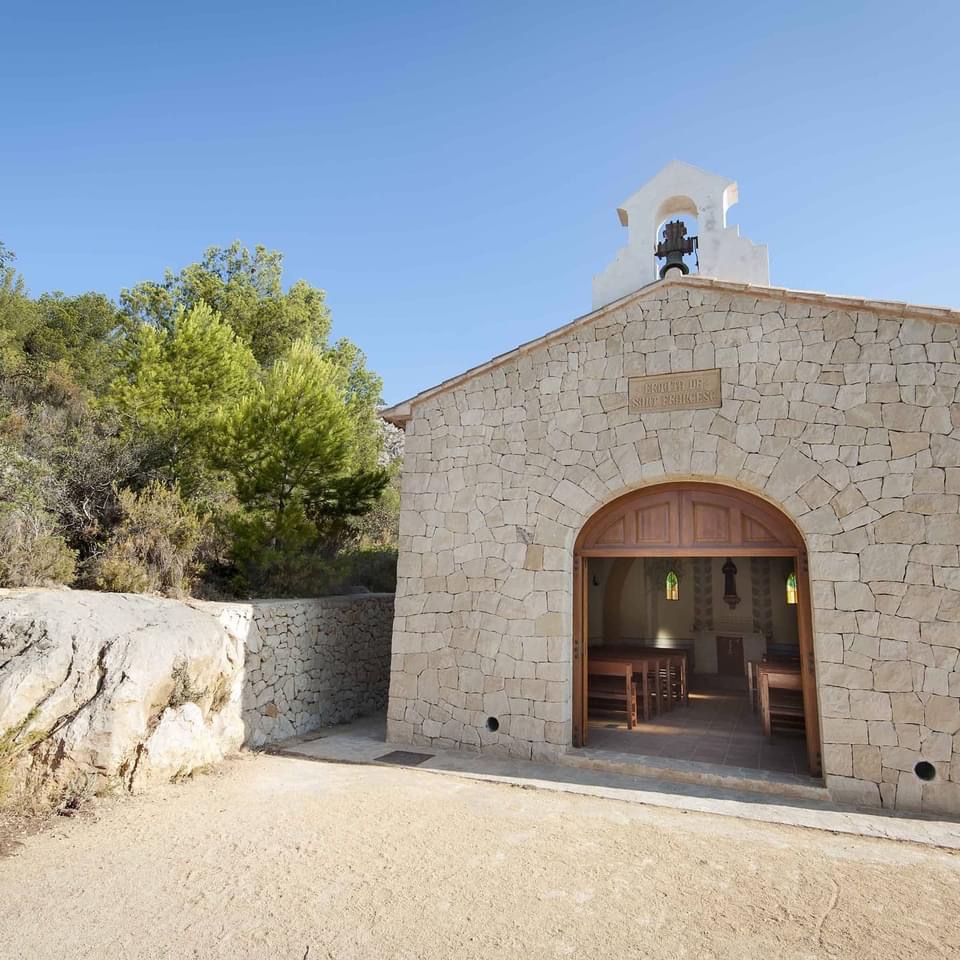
(107, 689)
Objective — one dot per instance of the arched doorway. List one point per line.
(692, 519)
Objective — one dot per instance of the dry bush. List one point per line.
(154, 547)
(32, 552)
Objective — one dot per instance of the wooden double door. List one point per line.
(730, 662)
(693, 519)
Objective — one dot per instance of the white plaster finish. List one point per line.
(528, 447)
(680, 188)
(310, 663)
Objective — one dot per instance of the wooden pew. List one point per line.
(611, 682)
(752, 668)
(660, 675)
(671, 682)
(781, 697)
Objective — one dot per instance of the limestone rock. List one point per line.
(114, 688)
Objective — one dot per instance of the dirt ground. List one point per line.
(274, 857)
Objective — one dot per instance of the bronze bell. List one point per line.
(674, 245)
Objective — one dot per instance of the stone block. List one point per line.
(850, 678)
(940, 634)
(870, 705)
(941, 796)
(866, 762)
(836, 566)
(535, 649)
(893, 676)
(886, 561)
(854, 596)
(937, 746)
(899, 758)
(900, 528)
(848, 790)
(942, 714)
(793, 470)
(835, 702)
(837, 759)
(882, 733)
(526, 728)
(844, 731)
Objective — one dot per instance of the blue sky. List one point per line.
(449, 171)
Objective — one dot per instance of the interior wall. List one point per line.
(785, 629)
(628, 604)
(598, 573)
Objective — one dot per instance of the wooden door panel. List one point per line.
(654, 524)
(730, 656)
(615, 535)
(710, 523)
(693, 516)
(755, 532)
(580, 652)
(808, 666)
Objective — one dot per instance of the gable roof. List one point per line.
(400, 413)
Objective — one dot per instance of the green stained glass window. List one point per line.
(673, 586)
(792, 588)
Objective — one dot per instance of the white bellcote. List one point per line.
(681, 189)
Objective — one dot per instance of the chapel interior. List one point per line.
(711, 645)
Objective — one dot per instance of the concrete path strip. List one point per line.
(363, 742)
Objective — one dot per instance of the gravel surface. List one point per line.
(272, 857)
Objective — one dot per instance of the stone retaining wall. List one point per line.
(310, 662)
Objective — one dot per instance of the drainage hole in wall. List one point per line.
(493, 725)
(925, 770)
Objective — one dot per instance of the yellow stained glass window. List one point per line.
(673, 586)
(792, 588)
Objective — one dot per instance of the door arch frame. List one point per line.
(755, 527)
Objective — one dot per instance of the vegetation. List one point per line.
(201, 435)
(174, 387)
(154, 547)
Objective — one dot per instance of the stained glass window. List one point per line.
(673, 586)
(792, 588)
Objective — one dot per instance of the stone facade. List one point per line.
(842, 413)
(310, 663)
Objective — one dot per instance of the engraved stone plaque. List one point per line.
(690, 390)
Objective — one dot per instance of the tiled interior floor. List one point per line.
(717, 726)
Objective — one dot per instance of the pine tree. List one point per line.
(179, 384)
(291, 447)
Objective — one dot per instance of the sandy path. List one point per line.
(281, 858)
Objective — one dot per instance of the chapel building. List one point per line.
(711, 529)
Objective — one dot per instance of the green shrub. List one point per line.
(364, 568)
(296, 562)
(154, 547)
(380, 527)
(277, 556)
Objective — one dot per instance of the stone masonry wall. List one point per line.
(847, 420)
(310, 663)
